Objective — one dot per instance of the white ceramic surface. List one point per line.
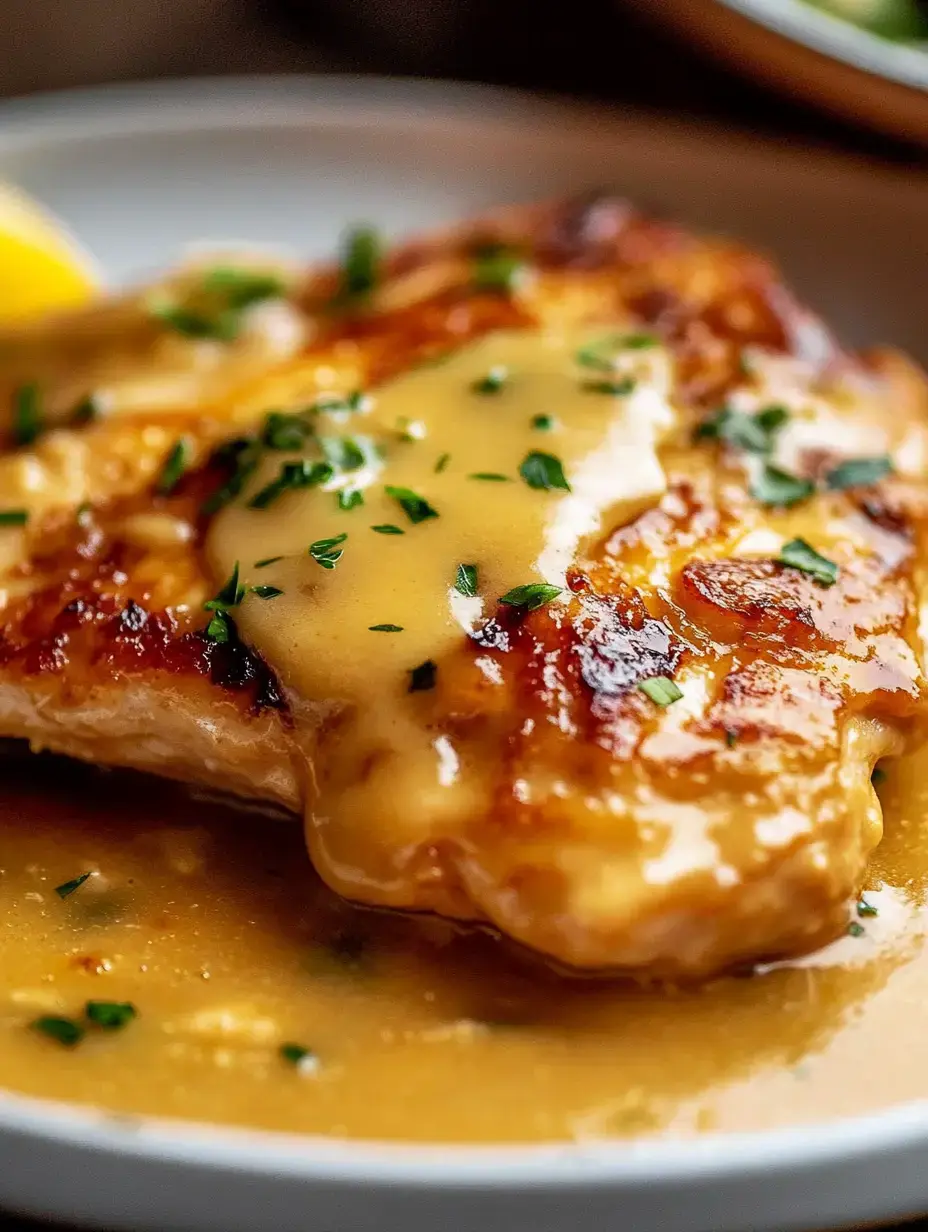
(139, 171)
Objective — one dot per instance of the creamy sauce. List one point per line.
(433, 432)
(211, 923)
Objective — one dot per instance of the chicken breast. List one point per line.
(561, 569)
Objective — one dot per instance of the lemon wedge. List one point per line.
(42, 269)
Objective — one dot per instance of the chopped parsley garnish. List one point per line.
(617, 389)
(221, 326)
(490, 477)
(387, 528)
(411, 429)
(543, 471)
(14, 517)
(416, 507)
(855, 930)
(296, 1054)
(349, 498)
(266, 592)
(174, 466)
(242, 454)
(111, 1015)
(361, 251)
(603, 353)
(422, 677)
(864, 908)
(753, 433)
(859, 472)
(283, 431)
(268, 560)
(775, 487)
(68, 888)
(343, 453)
(87, 410)
(63, 1030)
(293, 475)
(230, 595)
(326, 552)
(493, 382)
(385, 628)
(543, 423)
(342, 404)
(442, 463)
(731, 737)
(661, 689)
(240, 288)
(220, 628)
(531, 596)
(801, 555)
(465, 581)
(497, 268)
(27, 414)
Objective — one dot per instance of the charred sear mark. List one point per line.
(235, 666)
(617, 648)
(889, 516)
(732, 598)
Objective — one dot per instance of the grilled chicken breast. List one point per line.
(561, 568)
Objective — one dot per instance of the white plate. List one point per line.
(814, 55)
(139, 171)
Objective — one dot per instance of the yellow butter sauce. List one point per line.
(211, 923)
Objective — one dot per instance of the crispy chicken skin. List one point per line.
(667, 841)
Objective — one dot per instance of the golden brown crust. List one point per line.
(795, 677)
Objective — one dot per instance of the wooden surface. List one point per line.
(601, 52)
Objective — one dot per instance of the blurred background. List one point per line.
(607, 50)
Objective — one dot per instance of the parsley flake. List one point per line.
(387, 528)
(442, 463)
(543, 471)
(241, 455)
(661, 689)
(493, 382)
(27, 414)
(220, 628)
(731, 737)
(361, 255)
(343, 453)
(87, 410)
(326, 552)
(349, 498)
(385, 628)
(490, 477)
(416, 507)
(864, 908)
(603, 354)
(617, 389)
(296, 1054)
(543, 423)
(174, 466)
(465, 581)
(422, 678)
(68, 888)
(855, 930)
(775, 487)
(110, 1015)
(240, 288)
(285, 431)
(859, 472)
(230, 595)
(266, 592)
(497, 269)
(531, 596)
(14, 517)
(293, 476)
(753, 433)
(268, 560)
(801, 555)
(222, 326)
(63, 1030)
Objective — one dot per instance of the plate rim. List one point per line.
(715, 1157)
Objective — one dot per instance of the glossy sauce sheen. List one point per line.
(435, 432)
(212, 924)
